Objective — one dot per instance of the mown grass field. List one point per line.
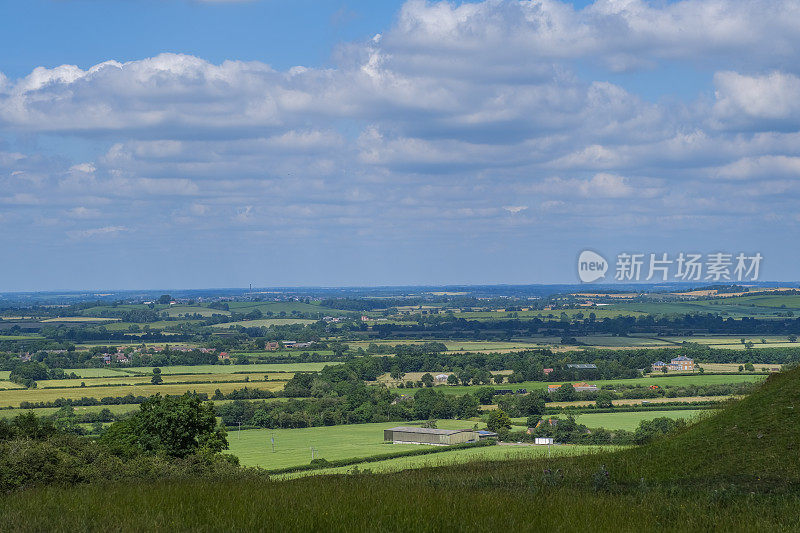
(457, 457)
(95, 372)
(5, 384)
(12, 398)
(734, 367)
(630, 421)
(293, 446)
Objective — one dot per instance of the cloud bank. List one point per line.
(498, 120)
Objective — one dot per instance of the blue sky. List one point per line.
(279, 32)
(178, 143)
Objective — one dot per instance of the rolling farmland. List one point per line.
(12, 398)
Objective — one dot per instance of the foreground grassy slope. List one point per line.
(432, 501)
(755, 439)
(737, 470)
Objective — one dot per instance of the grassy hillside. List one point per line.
(755, 440)
(736, 470)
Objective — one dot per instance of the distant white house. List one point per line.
(679, 364)
(441, 378)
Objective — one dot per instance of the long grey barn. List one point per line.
(415, 435)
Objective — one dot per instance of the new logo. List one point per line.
(591, 266)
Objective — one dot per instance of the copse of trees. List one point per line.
(450, 326)
(649, 430)
(175, 426)
(37, 451)
(341, 398)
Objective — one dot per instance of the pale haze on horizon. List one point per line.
(214, 144)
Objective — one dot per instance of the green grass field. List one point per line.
(457, 457)
(180, 310)
(607, 341)
(266, 322)
(736, 306)
(630, 421)
(293, 446)
(285, 307)
(5, 385)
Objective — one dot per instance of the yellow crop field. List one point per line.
(145, 379)
(12, 398)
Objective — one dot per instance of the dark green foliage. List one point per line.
(498, 421)
(565, 393)
(26, 426)
(649, 430)
(604, 400)
(27, 373)
(175, 426)
(485, 395)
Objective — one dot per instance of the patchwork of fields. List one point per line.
(230, 369)
(696, 379)
(12, 398)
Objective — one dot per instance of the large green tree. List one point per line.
(605, 399)
(565, 393)
(498, 421)
(172, 425)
